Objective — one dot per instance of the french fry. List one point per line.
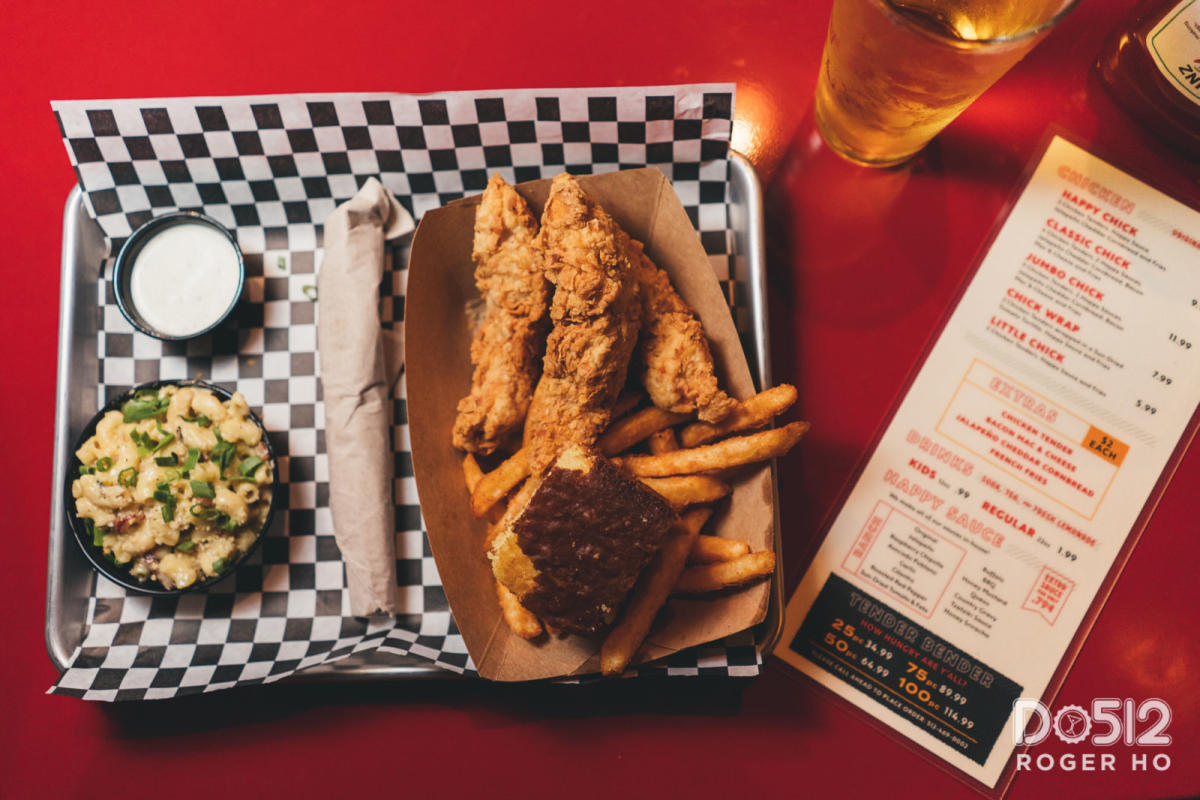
(726, 574)
(625, 433)
(472, 474)
(499, 482)
(688, 490)
(733, 452)
(627, 402)
(753, 412)
(650, 593)
(518, 502)
(715, 549)
(663, 441)
(520, 620)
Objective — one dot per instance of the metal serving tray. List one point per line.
(70, 579)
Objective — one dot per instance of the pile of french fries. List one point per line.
(686, 462)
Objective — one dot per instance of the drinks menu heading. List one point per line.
(965, 558)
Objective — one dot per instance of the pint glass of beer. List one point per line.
(895, 72)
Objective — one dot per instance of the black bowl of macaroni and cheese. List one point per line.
(173, 486)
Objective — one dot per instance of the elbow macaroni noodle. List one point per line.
(177, 485)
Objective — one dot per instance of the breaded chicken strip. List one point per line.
(509, 342)
(596, 316)
(675, 362)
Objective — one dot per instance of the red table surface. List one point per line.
(863, 265)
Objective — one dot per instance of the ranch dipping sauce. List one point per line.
(185, 278)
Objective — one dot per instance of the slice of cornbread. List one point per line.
(574, 551)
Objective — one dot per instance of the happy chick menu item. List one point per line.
(967, 555)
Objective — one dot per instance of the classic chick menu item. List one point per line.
(964, 560)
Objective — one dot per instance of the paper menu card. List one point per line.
(968, 553)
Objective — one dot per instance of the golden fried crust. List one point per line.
(596, 316)
(508, 343)
(674, 359)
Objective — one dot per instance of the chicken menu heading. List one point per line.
(967, 555)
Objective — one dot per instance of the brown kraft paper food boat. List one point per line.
(438, 338)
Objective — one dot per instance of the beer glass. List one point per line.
(895, 72)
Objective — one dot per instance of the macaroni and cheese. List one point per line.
(177, 484)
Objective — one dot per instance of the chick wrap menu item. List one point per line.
(969, 552)
(360, 363)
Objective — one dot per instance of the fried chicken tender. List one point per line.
(596, 315)
(674, 360)
(509, 341)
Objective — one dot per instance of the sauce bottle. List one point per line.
(1151, 66)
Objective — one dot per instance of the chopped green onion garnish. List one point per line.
(104, 464)
(90, 524)
(193, 457)
(98, 536)
(310, 291)
(203, 489)
(201, 511)
(144, 407)
(220, 564)
(85, 470)
(223, 453)
(281, 263)
(168, 512)
(169, 460)
(128, 476)
(183, 547)
(143, 450)
(249, 466)
(228, 524)
(167, 438)
(199, 419)
(162, 493)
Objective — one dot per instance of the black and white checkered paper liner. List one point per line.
(271, 169)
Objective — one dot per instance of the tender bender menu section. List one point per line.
(962, 563)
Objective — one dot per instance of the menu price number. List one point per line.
(961, 492)
(917, 684)
(1067, 554)
(847, 644)
(1162, 378)
(1179, 340)
(1146, 407)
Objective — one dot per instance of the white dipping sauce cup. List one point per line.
(178, 276)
